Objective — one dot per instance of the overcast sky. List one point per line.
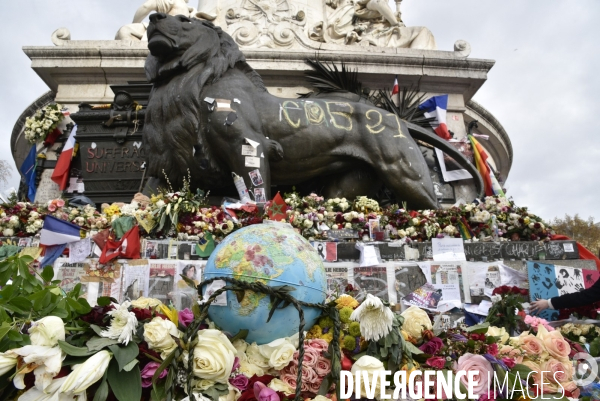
(543, 89)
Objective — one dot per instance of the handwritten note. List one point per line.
(448, 249)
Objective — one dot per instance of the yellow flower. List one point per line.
(327, 337)
(314, 332)
(171, 313)
(346, 301)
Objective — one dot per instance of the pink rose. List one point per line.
(309, 375)
(289, 379)
(532, 345)
(571, 387)
(311, 356)
(52, 207)
(433, 346)
(509, 362)
(323, 366)
(482, 368)
(315, 387)
(536, 375)
(557, 346)
(436, 362)
(148, 372)
(240, 382)
(60, 203)
(511, 352)
(318, 344)
(559, 371)
(186, 316)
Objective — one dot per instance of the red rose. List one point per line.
(524, 292)
(436, 362)
(433, 346)
(142, 314)
(492, 349)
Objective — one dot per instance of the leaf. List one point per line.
(84, 306)
(97, 329)
(216, 391)
(479, 328)
(102, 391)
(97, 343)
(521, 369)
(103, 301)
(47, 274)
(595, 347)
(73, 350)
(4, 329)
(21, 303)
(162, 367)
(125, 354)
(412, 349)
(130, 365)
(126, 386)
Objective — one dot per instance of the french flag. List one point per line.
(436, 107)
(56, 232)
(396, 88)
(63, 165)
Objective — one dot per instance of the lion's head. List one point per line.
(178, 43)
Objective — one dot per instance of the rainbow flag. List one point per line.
(480, 155)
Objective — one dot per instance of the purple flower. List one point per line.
(240, 381)
(264, 393)
(236, 364)
(459, 337)
(186, 316)
(149, 371)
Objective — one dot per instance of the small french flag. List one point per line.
(63, 165)
(436, 107)
(56, 231)
(396, 88)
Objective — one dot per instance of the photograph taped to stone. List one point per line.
(256, 178)
(259, 195)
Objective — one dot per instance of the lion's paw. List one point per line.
(275, 150)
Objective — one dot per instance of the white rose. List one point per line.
(47, 331)
(255, 357)
(308, 223)
(8, 232)
(203, 384)
(279, 353)
(348, 225)
(250, 369)
(415, 221)
(240, 345)
(498, 332)
(281, 386)
(415, 321)
(158, 334)
(160, 204)
(213, 356)
(370, 365)
(143, 303)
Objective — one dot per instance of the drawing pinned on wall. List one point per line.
(541, 285)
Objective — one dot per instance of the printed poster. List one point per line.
(136, 279)
(186, 296)
(337, 278)
(162, 280)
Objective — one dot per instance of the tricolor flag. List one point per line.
(436, 107)
(396, 88)
(63, 165)
(56, 231)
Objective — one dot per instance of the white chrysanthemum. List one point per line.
(123, 324)
(374, 317)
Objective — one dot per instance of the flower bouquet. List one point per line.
(43, 122)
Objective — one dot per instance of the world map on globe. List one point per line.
(275, 255)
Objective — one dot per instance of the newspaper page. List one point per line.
(185, 295)
(136, 278)
(161, 284)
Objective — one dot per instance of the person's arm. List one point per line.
(144, 10)
(577, 299)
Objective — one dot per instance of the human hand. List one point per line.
(538, 306)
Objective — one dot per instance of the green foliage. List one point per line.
(504, 312)
(28, 295)
(125, 385)
(391, 348)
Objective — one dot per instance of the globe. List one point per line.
(276, 255)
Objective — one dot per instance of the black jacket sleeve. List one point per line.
(577, 299)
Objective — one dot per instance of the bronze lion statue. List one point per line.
(210, 112)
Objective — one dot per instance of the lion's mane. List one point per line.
(173, 132)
